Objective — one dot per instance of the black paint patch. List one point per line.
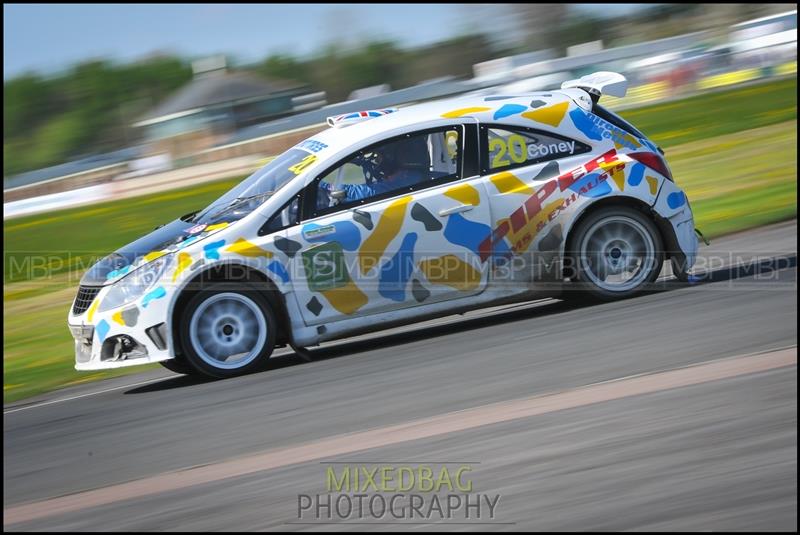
(363, 218)
(314, 306)
(287, 247)
(537, 103)
(551, 242)
(548, 171)
(197, 264)
(130, 316)
(421, 214)
(419, 292)
(489, 99)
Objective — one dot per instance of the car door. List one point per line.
(390, 248)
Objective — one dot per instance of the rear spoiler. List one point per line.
(600, 83)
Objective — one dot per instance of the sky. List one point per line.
(47, 38)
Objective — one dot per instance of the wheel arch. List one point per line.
(667, 233)
(230, 272)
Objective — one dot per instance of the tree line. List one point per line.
(89, 108)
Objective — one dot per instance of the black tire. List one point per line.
(196, 343)
(178, 365)
(586, 282)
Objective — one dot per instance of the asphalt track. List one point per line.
(685, 437)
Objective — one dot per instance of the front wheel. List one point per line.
(616, 252)
(227, 330)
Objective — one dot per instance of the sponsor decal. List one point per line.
(325, 267)
(196, 229)
(527, 214)
(312, 145)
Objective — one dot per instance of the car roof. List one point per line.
(481, 107)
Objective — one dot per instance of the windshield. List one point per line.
(255, 189)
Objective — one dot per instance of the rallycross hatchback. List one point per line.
(393, 216)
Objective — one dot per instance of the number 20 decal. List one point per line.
(514, 147)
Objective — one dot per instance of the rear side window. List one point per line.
(508, 147)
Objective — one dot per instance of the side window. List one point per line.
(287, 216)
(508, 147)
(406, 163)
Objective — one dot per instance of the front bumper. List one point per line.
(128, 336)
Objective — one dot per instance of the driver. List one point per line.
(399, 165)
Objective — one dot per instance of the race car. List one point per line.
(389, 217)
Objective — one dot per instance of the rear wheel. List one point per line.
(617, 252)
(227, 330)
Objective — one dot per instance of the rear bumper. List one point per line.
(673, 206)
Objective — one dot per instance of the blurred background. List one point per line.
(117, 118)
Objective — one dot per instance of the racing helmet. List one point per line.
(405, 154)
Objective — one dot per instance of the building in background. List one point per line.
(214, 104)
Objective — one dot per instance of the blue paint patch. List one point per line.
(158, 293)
(509, 109)
(212, 249)
(466, 233)
(501, 253)
(344, 232)
(278, 269)
(118, 272)
(593, 188)
(636, 175)
(102, 330)
(397, 271)
(676, 199)
(583, 123)
(188, 240)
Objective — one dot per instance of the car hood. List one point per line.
(164, 240)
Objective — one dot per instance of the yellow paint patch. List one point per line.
(217, 226)
(653, 183)
(245, 248)
(451, 271)
(92, 310)
(149, 257)
(463, 111)
(118, 318)
(385, 231)
(619, 177)
(551, 115)
(184, 261)
(509, 183)
(465, 194)
(346, 299)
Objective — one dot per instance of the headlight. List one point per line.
(136, 284)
